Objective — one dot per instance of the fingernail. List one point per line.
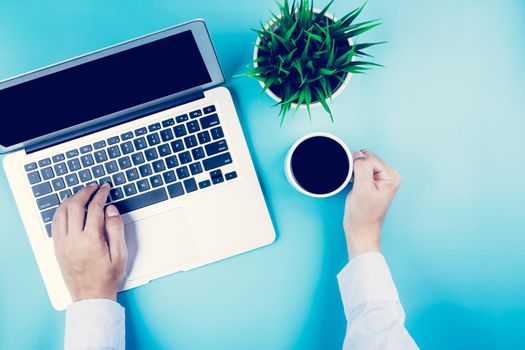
(112, 211)
(106, 184)
(93, 184)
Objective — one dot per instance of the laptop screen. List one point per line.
(101, 87)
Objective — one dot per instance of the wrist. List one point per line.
(93, 295)
(363, 240)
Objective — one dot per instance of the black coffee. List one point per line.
(320, 165)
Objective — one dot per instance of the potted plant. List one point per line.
(304, 57)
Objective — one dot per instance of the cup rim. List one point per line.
(291, 177)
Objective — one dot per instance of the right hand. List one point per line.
(375, 185)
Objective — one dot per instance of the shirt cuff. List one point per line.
(95, 323)
(366, 278)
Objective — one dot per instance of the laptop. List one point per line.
(151, 117)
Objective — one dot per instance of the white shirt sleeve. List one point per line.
(374, 315)
(95, 324)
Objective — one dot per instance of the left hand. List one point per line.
(92, 267)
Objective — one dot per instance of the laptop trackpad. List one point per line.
(159, 243)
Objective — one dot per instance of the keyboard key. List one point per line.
(209, 121)
(177, 146)
(143, 185)
(73, 164)
(204, 184)
(104, 180)
(47, 173)
(195, 114)
(132, 175)
(113, 152)
(98, 171)
(127, 147)
(231, 175)
(33, 177)
(47, 201)
(60, 169)
(190, 185)
(100, 156)
(86, 149)
(71, 180)
(195, 168)
(172, 161)
(41, 189)
(137, 158)
(99, 144)
(140, 143)
(175, 190)
(216, 147)
(72, 153)
(84, 175)
(151, 154)
(119, 179)
(217, 161)
(154, 127)
(153, 139)
(126, 136)
(158, 166)
(141, 131)
(58, 158)
(111, 167)
(77, 188)
(48, 230)
(204, 137)
(113, 140)
(44, 162)
(47, 215)
(64, 194)
(209, 109)
(130, 189)
(116, 193)
(166, 135)
(217, 133)
(198, 153)
(168, 122)
(141, 201)
(216, 176)
(183, 172)
(124, 163)
(169, 176)
(58, 184)
(180, 130)
(164, 150)
(30, 166)
(190, 141)
(184, 157)
(181, 118)
(193, 126)
(145, 170)
(87, 160)
(156, 181)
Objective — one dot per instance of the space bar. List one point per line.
(141, 201)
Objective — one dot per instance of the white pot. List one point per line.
(288, 165)
(294, 105)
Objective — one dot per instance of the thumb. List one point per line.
(363, 170)
(116, 238)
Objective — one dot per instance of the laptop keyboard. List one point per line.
(145, 166)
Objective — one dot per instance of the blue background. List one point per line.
(448, 112)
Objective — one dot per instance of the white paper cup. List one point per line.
(288, 165)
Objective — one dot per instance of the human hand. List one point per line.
(92, 267)
(375, 185)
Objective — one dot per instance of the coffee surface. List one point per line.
(320, 165)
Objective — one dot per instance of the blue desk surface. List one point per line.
(448, 112)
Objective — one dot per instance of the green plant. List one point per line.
(304, 56)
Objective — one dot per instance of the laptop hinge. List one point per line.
(113, 122)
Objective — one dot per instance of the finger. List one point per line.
(382, 172)
(363, 171)
(95, 214)
(116, 239)
(76, 208)
(59, 224)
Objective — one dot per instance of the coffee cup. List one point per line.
(319, 165)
